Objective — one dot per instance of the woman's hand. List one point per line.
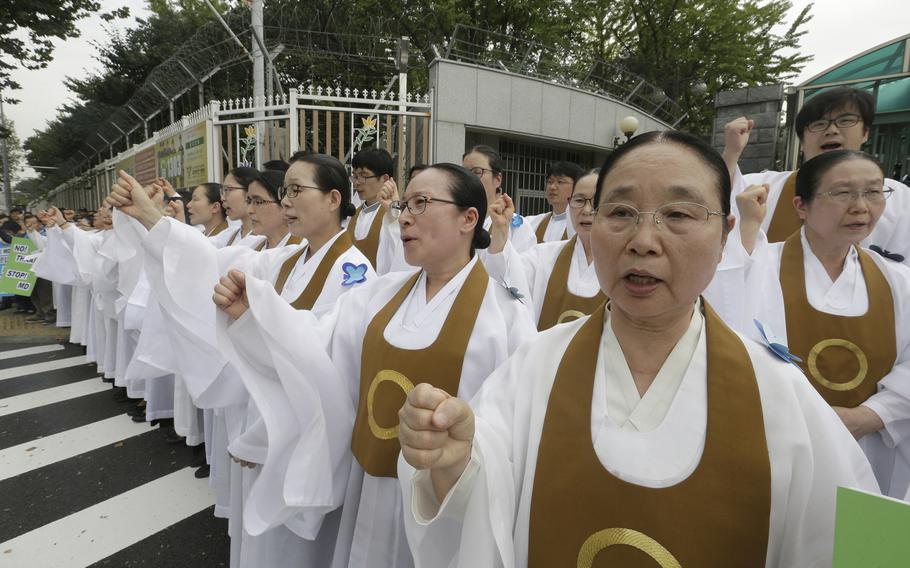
(230, 294)
(860, 421)
(436, 433)
(501, 212)
(736, 138)
(244, 463)
(753, 207)
(388, 193)
(132, 199)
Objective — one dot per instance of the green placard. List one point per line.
(17, 277)
(871, 531)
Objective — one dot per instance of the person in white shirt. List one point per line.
(645, 434)
(554, 225)
(842, 310)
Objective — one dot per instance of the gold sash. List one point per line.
(310, 294)
(369, 245)
(785, 220)
(844, 356)
(388, 373)
(719, 516)
(560, 305)
(542, 229)
(218, 228)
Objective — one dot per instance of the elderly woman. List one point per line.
(348, 372)
(645, 434)
(841, 309)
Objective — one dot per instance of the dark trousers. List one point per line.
(43, 300)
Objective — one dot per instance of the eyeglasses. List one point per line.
(842, 121)
(559, 181)
(870, 195)
(478, 171)
(258, 201)
(292, 190)
(679, 218)
(416, 204)
(225, 189)
(579, 202)
(360, 179)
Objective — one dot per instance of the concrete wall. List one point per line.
(469, 97)
(761, 104)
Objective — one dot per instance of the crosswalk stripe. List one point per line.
(96, 532)
(26, 351)
(31, 455)
(34, 368)
(52, 395)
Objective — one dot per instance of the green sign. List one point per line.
(17, 276)
(871, 531)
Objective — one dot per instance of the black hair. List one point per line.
(697, 146)
(496, 163)
(278, 165)
(567, 169)
(584, 174)
(376, 160)
(467, 191)
(810, 174)
(244, 175)
(838, 98)
(330, 174)
(271, 180)
(416, 169)
(16, 210)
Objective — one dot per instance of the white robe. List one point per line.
(484, 521)
(521, 236)
(390, 254)
(536, 266)
(371, 533)
(892, 232)
(559, 225)
(761, 299)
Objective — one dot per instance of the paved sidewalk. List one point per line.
(13, 325)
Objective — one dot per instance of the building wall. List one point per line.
(761, 104)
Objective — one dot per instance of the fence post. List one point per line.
(293, 123)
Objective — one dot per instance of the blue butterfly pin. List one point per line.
(887, 253)
(514, 291)
(517, 220)
(776, 345)
(353, 273)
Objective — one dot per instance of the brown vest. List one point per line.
(785, 220)
(844, 356)
(310, 294)
(560, 305)
(369, 246)
(218, 228)
(234, 237)
(292, 240)
(542, 229)
(388, 373)
(719, 516)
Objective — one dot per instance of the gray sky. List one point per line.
(838, 30)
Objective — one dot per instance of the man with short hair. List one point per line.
(554, 225)
(838, 119)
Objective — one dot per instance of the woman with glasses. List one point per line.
(487, 165)
(264, 208)
(836, 119)
(648, 424)
(562, 283)
(841, 309)
(233, 199)
(447, 323)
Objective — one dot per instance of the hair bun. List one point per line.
(481, 238)
(347, 210)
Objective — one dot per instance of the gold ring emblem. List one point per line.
(812, 364)
(570, 315)
(628, 537)
(382, 376)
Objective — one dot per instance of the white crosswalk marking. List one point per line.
(94, 533)
(26, 351)
(44, 367)
(52, 395)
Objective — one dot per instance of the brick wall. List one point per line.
(761, 104)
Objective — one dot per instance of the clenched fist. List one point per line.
(230, 294)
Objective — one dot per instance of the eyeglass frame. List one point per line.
(582, 206)
(482, 170)
(284, 190)
(854, 195)
(397, 207)
(829, 121)
(355, 178)
(250, 202)
(225, 189)
(708, 212)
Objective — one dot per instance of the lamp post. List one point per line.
(627, 126)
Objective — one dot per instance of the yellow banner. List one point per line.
(195, 160)
(169, 157)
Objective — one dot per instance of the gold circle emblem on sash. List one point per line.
(570, 315)
(628, 537)
(812, 363)
(382, 376)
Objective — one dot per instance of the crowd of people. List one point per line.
(678, 363)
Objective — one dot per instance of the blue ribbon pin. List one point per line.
(517, 220)
(776, 345)
(353, 273)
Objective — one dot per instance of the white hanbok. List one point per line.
(389, 254)
(761, 298)
(559, 227)
(371, 532)
(655, 440)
